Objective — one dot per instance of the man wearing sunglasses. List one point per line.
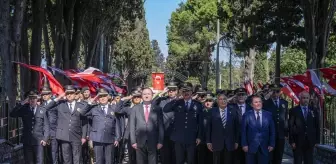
(279, 109)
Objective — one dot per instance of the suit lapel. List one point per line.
(263, 120)
(301, 113)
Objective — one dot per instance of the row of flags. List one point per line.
(292, 86)
(91, 77)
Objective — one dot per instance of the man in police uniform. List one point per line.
(70, 129)
(188, 124)
(105, 132)
(35, 128)
(279, 109)
(167, 151)
(52, 117)
(87, 146)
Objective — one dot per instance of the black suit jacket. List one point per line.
(280, 116)
(151, 132)
(35, 126)
(220, 136)
(300, 129)
(168, 118)
(70, 125)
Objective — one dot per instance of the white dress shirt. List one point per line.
(242, 107)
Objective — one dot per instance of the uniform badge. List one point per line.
(78, 109)
(41, 111)
(283, 105)
(195, 107)
(312, 113)
(179, 106)
(112, 113)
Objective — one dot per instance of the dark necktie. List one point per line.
(305, 112)
(32, 110)
(70, 107)
(241, 110)
(276, 103)
(103, 108)
(258, 119)
(187, 105)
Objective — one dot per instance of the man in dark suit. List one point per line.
(188, 124)
(304, 130)
(105, 132)
(70, 129)
(279, 109)
(167, 151)
(35, 128)
(222, 131)
(146, 128)
(258, 133)
(241, 107)
(52, 117)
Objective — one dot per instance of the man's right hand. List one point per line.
(25, 101)
(293, 145)
(127, 98)
(60, 96)
(245, 149)
(134, 146)
(209, 145)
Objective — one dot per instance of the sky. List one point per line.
(158, 13)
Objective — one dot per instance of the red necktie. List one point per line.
(146, 113)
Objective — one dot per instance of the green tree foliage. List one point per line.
(261, 71)
(158, 56)
(192, 34)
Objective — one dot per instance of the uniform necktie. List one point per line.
(32, 110)
(223, 118)
(70, 107)
(276, 103)
(241, 110)
(103, 108)
(187, 105)
(258, 119)
(146, 113)
(305, 112)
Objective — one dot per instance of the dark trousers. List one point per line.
(85, 153)
(146, 155)
(224, 156)
(71, 152)
(53, 151)
(257, 158)
(277, 153)
(303, 153)
(104, 153)
(129, 156)
(239, 156)
(181, 150)
(204, 155)
(167, 152)
(33, 154)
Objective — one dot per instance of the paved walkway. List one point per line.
(287, 159)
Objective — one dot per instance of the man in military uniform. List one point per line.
(167, 151)
(304, 130)
(204, 155)
(35, 128)
(52, 117)
(279, 109)
(87, 155)
(105, 132)
(242, 107)
(70, 129)
(188, 124)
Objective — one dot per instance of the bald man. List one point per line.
(304, 130)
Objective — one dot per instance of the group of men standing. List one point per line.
(181, 124)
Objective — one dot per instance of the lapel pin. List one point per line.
(41, 111)
(112, 113)
(283, 105)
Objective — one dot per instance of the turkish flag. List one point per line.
(55, 86)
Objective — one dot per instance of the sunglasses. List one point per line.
(241, 94)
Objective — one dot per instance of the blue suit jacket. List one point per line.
(255, 137)
(217, 135)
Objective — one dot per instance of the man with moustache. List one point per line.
(70, 129)
(222, 132)
(146, 129)
(52, 117)
(167, 151)
(105, 132)
(188, 124)
(35, 128)
(258, 133)
(304, 130)
(279, 109)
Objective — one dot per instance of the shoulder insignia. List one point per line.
(79, 110)
(41, 111)
(112, 113)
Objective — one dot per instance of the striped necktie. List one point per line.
(223, 116)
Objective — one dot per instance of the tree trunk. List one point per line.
(277, 61)
(24, 72)
(77, 33)
(46, 43)
(35, 49)
(59, 25)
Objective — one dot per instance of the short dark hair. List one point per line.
(147, 88)
(254, 97)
